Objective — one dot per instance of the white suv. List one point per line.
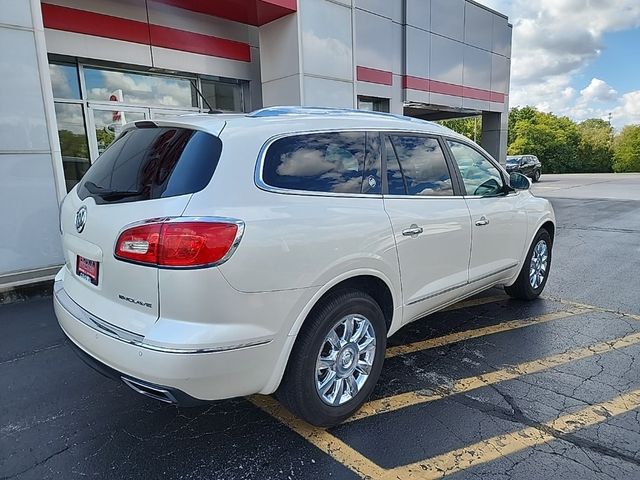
(214, 256)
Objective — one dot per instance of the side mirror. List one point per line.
(519, 181)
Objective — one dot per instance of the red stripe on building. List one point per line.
(89, 23)
(416, 83)
(497, 97)
(477, 94)
(373, 75)
(198, 43)
(444, 88)
(106, 26)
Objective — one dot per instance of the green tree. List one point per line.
(73, 144)
(627, 150)
(554, 140)
(105, 138)
(470, 127)
(515, 114)
(595, 153)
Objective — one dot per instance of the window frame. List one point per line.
(454, 174)
(259, 168)
(506, 190)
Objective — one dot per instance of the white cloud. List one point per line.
(629, 110)
(553, 40)
(598, 91)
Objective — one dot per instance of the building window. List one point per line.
(139, 88)
(224, 96)
(373, 104)
(64, 80)
(73, 141)
(90, 113)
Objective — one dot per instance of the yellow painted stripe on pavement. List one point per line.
(480, 332)
(403, 400)
(322, 439)
(594, 308)
(502, 445)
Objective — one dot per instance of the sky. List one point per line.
(579, 58)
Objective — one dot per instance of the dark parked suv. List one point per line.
(528, 165)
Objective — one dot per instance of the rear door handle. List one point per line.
(482, 222)
(413, 230)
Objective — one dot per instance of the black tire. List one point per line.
(522, 288)
(536, 176)
(297, 390)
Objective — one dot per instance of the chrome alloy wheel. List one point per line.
(539, 264)
(345, 360)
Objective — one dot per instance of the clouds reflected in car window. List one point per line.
(321, 162)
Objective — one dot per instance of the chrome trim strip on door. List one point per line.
(439, 292)
(502, 270)
(125, 336)
(460, 285)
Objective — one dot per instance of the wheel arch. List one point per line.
(550, 227)
(373, 283)
(547, 223)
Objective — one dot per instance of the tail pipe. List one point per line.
(151, 391)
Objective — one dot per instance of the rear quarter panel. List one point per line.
(294, 241)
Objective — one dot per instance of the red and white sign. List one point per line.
(117, 96)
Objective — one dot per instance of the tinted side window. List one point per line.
(149, 163)
(417, 167)
(395, 179)
(335, 162)
(479, 175)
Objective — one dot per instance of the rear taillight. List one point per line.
(179, 243)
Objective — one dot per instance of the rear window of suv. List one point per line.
(149, 163)
(331, 162)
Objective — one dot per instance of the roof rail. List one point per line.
(297, 110)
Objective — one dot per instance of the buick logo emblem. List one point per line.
(81, 218)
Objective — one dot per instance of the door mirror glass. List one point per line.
(519, 181)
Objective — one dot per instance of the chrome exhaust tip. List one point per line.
(151, 391)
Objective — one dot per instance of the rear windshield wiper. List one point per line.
(107, 193)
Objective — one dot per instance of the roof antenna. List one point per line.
(204, 99)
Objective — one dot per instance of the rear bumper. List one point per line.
(186, 375)
(157, 392)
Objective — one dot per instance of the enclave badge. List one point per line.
(81, 218)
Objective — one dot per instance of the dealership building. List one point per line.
(74, 71)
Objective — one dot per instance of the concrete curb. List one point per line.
(23, 293)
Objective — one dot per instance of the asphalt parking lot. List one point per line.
(491, 388)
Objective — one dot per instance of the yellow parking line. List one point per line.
(474, 302)
(322, 439)
(480, 332)
(483, 451)
(479, 453)
(502, 445)
(403, 400)
(594, 308)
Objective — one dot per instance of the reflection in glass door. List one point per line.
(106, 125)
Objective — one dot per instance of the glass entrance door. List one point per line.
(106, 124)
